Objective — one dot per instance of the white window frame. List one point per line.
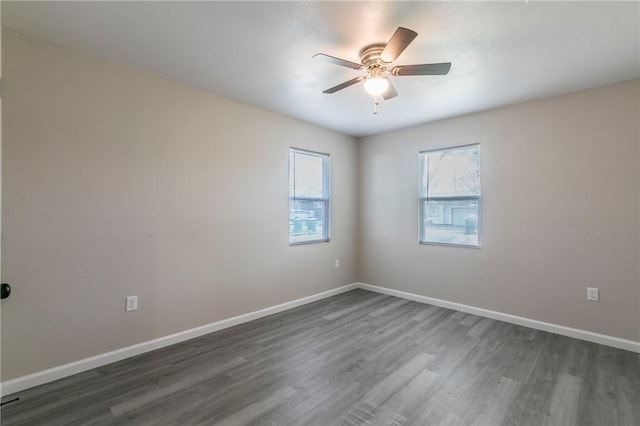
(325, 199)
(423, 198)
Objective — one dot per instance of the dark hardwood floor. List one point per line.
(353, 359)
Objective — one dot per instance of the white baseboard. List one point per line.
(589, 336)
(41, 377)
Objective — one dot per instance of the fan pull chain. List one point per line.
(375, 105)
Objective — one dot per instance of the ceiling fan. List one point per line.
(376, 59)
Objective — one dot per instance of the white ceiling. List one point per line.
(260, 52)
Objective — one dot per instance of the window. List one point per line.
(308, 197)
(450, 196)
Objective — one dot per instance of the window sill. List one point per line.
(302, 243)
(425, 243)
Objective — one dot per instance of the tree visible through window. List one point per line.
(450, 196)
(308, 197)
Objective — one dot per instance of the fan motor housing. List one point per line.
(370, 55)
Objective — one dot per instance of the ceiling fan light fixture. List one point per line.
(375, 84)
(375, 60)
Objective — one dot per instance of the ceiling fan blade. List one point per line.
(390, 92)
(422, 69)
(338, 61)
(397, 43)
(346, 84)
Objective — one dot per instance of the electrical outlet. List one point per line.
(593, 294)
(336, 263)
(132, 304)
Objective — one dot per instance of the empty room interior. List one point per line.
(320, 213)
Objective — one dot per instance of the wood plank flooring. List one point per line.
(354, 359)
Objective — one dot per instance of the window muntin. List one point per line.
(450, 196)
(308, 197)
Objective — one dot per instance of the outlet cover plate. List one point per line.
(593, 294)
(132, 303)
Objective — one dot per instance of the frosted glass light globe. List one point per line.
(376, 86)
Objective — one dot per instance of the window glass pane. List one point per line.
(306, 220)
(451, 172)
(450, 222)
(307, 176)
(308, 197)
(450, 196)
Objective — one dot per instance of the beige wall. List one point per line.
(119, 183)
(1, 199)
(560, 211)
